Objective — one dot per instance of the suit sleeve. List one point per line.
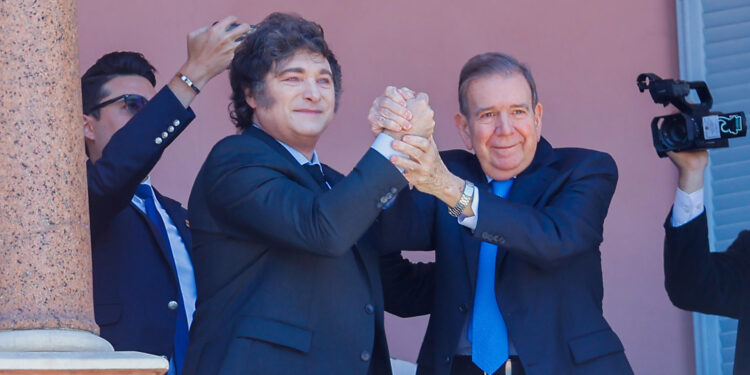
(252, 191)
(699, 280)
(569, 223)
(131, 154)
(408, 288)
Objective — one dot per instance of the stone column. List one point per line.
(46, 304)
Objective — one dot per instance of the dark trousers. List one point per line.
(463, 365)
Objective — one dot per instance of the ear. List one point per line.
(462, 124)
(88, 127)
(538, 120)
(250, 99)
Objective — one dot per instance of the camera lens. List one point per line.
(673, 132)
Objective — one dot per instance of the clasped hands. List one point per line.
(408, 118)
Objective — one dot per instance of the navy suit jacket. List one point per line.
(548, 272)
(710, 283)
(287, 272)
(134, 279)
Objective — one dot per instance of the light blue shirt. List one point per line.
(185, 275)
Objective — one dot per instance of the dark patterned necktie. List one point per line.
(315, 171)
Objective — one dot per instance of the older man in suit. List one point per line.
(516, 227)
(144, 289)
(285, 261)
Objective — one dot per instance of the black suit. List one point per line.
(711, 283)
(287, 272)
(134, 279)
(548, 274)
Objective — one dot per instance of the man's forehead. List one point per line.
(302, 59)
(500, 88)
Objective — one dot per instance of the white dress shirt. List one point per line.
(686, 207)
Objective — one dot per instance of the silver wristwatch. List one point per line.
(464, 201)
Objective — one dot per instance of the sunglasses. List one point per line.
(133, 103)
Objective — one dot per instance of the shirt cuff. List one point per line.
(383, 144)
(471, 221)
(686, 207)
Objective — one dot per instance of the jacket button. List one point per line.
(365, 356)
(170, 129)
(462, 307)
(176, 123)
(394, 190)
(447, 360)
(172, 305)
(369, 308)
(158, 140)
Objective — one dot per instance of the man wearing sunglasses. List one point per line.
(144, 287)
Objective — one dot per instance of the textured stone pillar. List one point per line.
(45, 251)
(46, 305)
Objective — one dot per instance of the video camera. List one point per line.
(695, 127)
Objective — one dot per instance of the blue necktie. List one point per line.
(489, 335)
(181, 330)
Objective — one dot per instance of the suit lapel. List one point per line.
(297, 171)
(530, 185)
(156, 233)
(179, 219)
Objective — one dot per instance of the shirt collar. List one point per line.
(489, 179)
(301, 159)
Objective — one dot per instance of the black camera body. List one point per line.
(695, 127)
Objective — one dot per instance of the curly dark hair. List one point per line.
(278, 37)
(111, 65)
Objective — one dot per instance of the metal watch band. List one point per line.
(188, 82)
(464, 201)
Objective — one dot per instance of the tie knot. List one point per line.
(144, 192)
(315, 171)
(501, 188)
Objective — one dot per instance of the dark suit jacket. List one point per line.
(134, 279)
(711, 283)
(287, 273)
(548, 275)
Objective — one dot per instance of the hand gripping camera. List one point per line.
(695, 127)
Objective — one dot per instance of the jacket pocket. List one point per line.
(275, 332)
(595, 345)
(107, 314)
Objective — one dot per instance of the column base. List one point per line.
(52, 340)
(74, 363)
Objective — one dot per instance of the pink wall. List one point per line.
(585, 56)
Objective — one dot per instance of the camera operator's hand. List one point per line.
(210, 51)
(691, 166)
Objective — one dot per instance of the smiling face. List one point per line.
(297, 102)
(503, 127)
